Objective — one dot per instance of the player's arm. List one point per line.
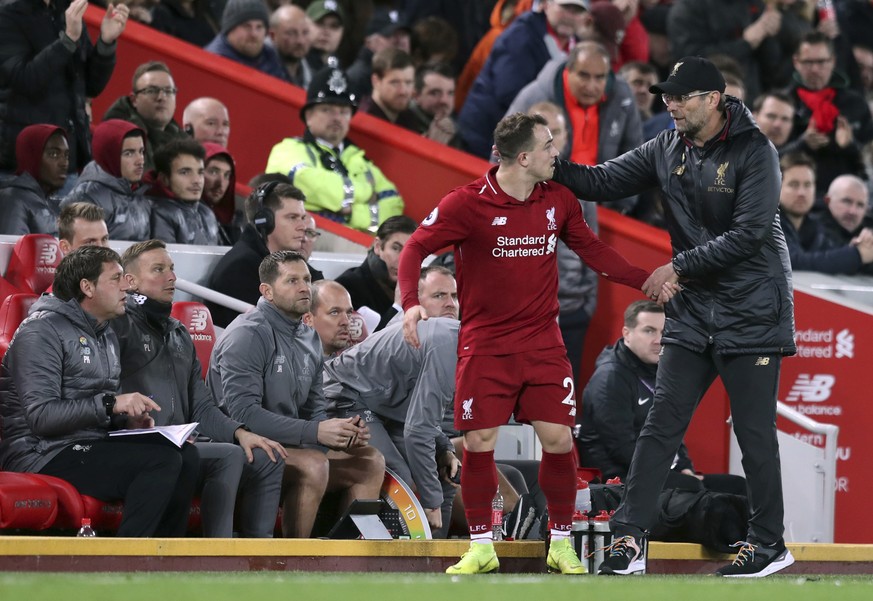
(598, 255)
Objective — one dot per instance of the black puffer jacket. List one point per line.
(720, 208)
(46, 79)
(158, 359)
(615, 404)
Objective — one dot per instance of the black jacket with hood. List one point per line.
(721, 209)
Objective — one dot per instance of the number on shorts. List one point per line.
(569, 399)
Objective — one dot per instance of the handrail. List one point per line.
(829, 469)
(212, 296)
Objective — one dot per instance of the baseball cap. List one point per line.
(321, 8)
(690, 74)
(385, 23)
(580, 3)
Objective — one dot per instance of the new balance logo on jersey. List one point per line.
(762, 361)
(499, 221)
(813, 389)
(468, 408)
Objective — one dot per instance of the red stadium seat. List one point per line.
(105, 515)
(357, 328)
(13, 310)
(6, 288)
(71, 509)
(33, 263)
(26, 503)
(198, 320)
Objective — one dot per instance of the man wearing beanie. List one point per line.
(243, 37)
(338, 179)
(112, 180)
(27, 202)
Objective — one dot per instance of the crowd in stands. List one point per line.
(447, 71)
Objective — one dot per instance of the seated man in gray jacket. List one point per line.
(58, 402)
(267, 373)
(158, 359)
(402, 393)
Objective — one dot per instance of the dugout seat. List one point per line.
(13, 310)
(6, 289)
(198, 320)
(71, 509)
(26, 503)
(33, 262)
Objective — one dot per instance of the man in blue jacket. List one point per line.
(518, 54)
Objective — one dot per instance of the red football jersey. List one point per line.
(505, 260)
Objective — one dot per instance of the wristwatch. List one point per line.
(109, 403)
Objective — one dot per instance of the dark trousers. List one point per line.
(154, 478)
(684, 376)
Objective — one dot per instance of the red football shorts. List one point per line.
(534, 386)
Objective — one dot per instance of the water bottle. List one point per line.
(580, 536)
(826, 10)
(86, 530)
(497, 517)
(583, 496)
(600, 538)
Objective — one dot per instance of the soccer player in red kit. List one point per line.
(511, 358)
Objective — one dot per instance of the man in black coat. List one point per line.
(276, 221)
(734, 315)
(372, 283)
(49, 68)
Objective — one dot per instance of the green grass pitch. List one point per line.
(267, 586)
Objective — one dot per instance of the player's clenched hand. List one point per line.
(410, 324)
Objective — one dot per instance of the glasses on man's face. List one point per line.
(155, 91)
(681, 100)
(813, 62)
(312, 234)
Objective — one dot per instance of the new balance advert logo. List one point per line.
(811, 389)
(48, 254)
(198, 320)
(499, 221)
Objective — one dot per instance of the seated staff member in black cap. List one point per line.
(339, 181)
(734, 316)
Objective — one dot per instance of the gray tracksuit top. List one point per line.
(266, 371)
(412, 386)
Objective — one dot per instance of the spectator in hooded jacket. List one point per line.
(49, 67)
(27, 202)
(113, 180)
(219, 192)
(178, 216)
